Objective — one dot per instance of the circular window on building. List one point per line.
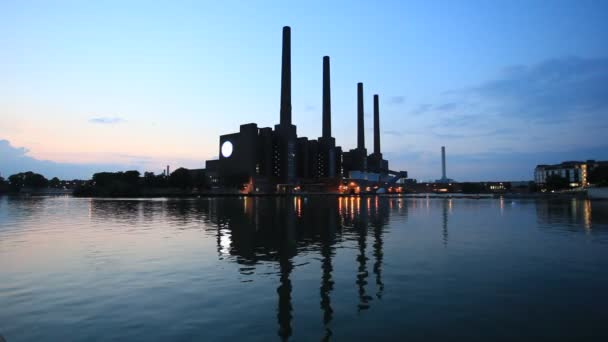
(226, 149)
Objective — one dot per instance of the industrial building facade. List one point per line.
(269, 160)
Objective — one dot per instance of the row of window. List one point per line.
(573, 175)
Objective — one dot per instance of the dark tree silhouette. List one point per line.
(154, 181)
(27, 180)
(180, 178)
(3, 185)
(131, 177)
(115, 184)
(54, 182)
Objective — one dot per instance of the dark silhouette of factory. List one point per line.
(263, 160)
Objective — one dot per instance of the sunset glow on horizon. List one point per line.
(114, 86)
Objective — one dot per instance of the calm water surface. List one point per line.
(302, 269)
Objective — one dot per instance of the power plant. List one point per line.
(265, 160)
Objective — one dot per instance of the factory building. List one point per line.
(269, 160)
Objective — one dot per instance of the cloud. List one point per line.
(553, 89)
(396, 100)
(107, 120)
(446, 107)
(421, 109)
(501, 128)
(16, 159)
(393, 133)
(443, 107)
(562, 92)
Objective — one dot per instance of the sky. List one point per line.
(115, 85)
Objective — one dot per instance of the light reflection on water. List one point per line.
(302, 268)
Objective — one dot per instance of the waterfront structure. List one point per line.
(263, 159)
(491, 187)
(576, 172)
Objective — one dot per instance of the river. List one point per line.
(302, 268)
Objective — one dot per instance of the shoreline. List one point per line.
(565, 195)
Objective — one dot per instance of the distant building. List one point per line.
(444, 179)
(576, 172)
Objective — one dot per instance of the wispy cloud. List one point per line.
(310, 108)
(541, 113)
(16, 159)
(554, 91)
(491, 133)
(447, 106)
(549, 90)
(396, 100)
(422, 108)
(393, 133)
(106, 120)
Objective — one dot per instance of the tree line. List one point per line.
(132, 183)
(106, 183)
(27, 180)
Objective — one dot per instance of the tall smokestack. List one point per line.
(286, 78)
(443, 162)
(376, 125)
(360, 123)
(326, 99)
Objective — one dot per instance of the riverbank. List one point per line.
(190, 194)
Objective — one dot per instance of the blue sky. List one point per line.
(114, 85)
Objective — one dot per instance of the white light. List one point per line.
(226, 149)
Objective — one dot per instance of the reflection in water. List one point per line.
(284, 315)
(360, 224)
(252, 230)
(327, 282)
(161, 257)
(446, 203)
(379, 219)
(286, 217)
(277, 229)
(587, 214)
(572, 213)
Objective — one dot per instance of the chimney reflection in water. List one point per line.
(253, 230)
